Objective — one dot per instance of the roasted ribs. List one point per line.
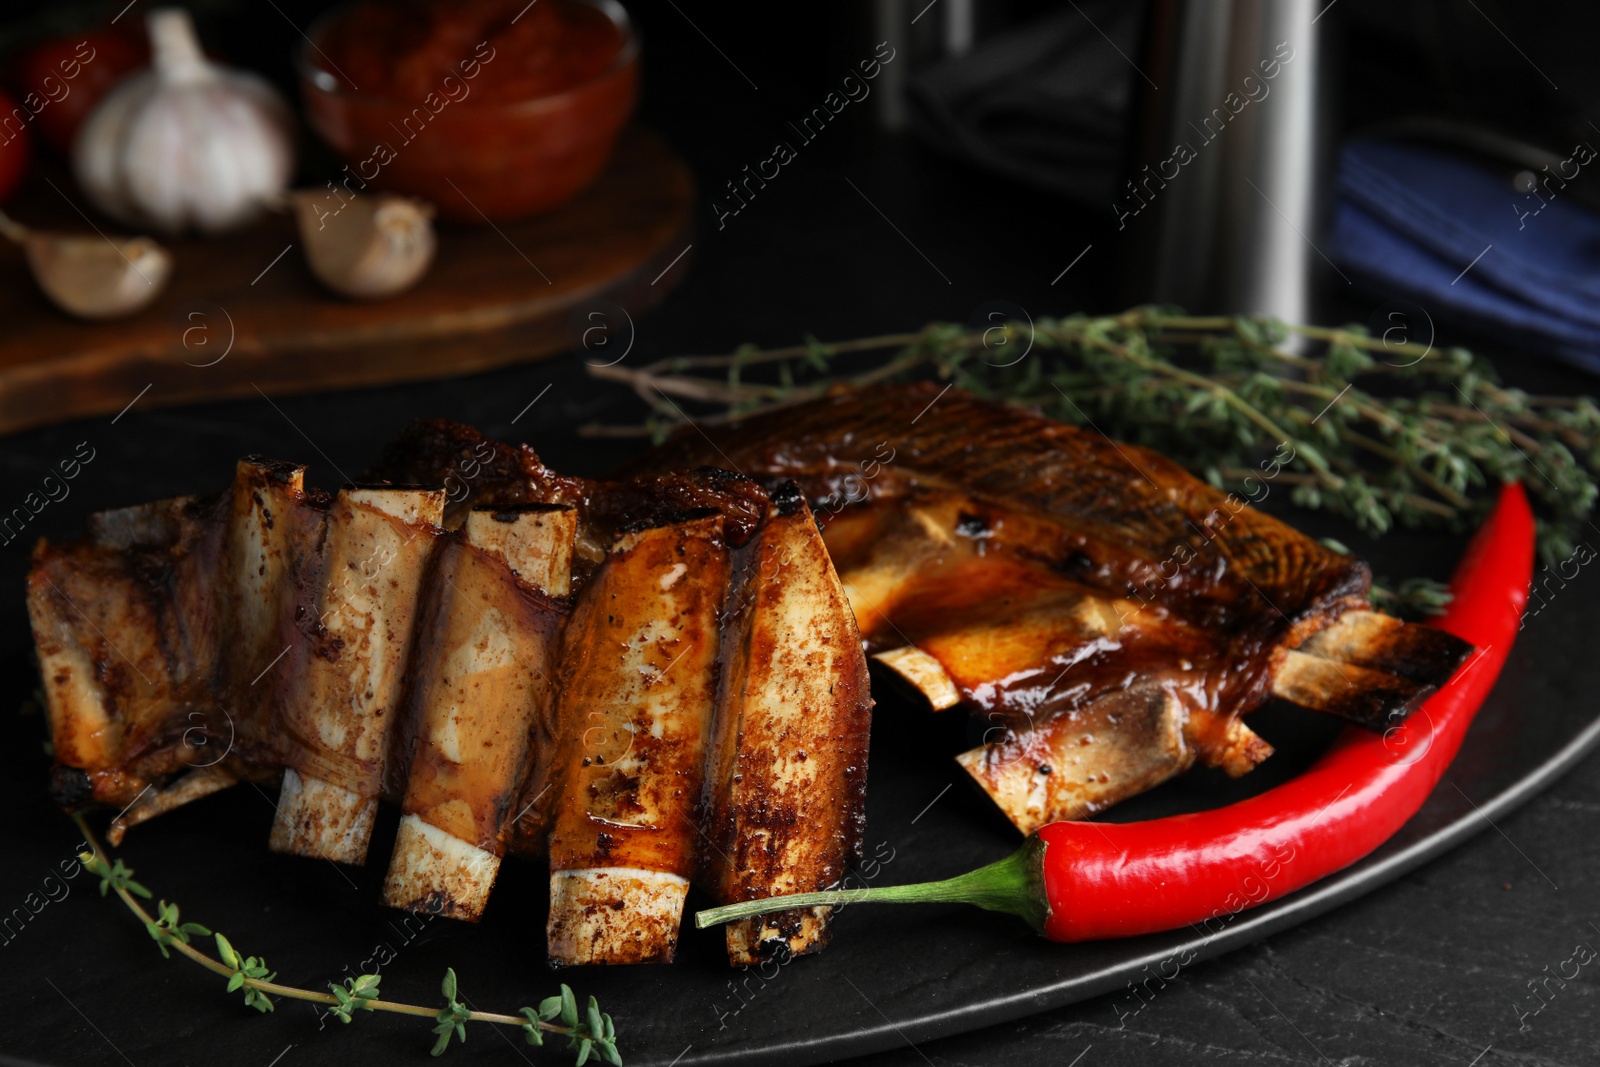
(1109, 617)
(657, 680)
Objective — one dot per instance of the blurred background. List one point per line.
(1417, 170)
(998, 141)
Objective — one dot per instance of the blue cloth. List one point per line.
(1411, 219)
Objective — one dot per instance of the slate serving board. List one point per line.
(85, 985)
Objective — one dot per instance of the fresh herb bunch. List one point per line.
(1384, 432)
(592, 1034)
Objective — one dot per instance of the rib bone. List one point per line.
(637, 689)
(787, 782)
(350, 654)
(1369, 639)
(923, 673)
(1073, 766)
(1368, 697)
(124, 629)
(481, 690)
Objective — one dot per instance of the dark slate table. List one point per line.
(865, 233)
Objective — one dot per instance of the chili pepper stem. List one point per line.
(1014, 885)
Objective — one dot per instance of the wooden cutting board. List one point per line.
(242, 312)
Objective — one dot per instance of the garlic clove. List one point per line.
(368, 247)
(97, 277)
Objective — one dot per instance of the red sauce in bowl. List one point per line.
(404, 49)
(489, 109)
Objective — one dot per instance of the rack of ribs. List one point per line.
(1109, 617)
(655, 681)
(662, 681)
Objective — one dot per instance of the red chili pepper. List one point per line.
(1080, 881)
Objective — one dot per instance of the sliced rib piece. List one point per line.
(481, 685)
(1370, 698)
(1072, 766)
(346, 668)
(267, 518)
(125, 632)
(787, 780)
(638, 679)
(1390, 646)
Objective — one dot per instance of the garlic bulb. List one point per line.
(367, 247)
(93, 277)
(187, 143)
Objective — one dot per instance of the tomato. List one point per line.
(14, 146)
(60, 80)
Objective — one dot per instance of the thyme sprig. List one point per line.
(247, 969)
(116, 876)
(167, 928)
(591, 1034)
(1385, 432)
(355, 994)
(453, 1017)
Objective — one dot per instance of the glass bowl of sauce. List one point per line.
(490, 109)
